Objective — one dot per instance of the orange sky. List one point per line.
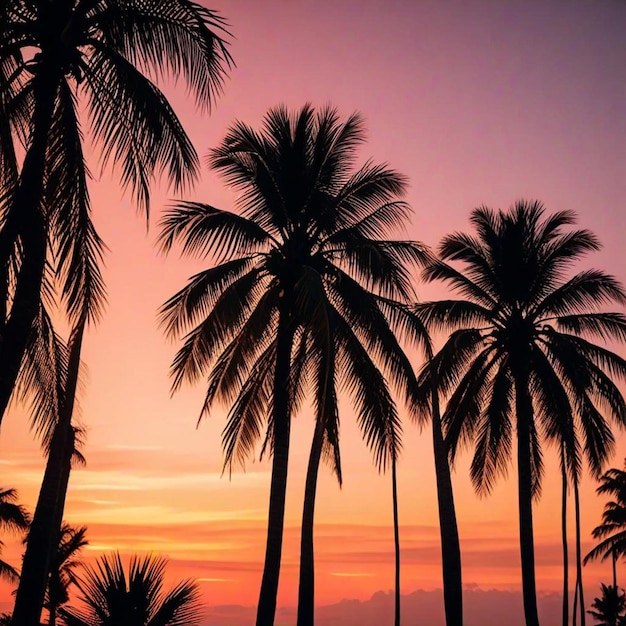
(478, 103)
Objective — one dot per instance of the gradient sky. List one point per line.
(478, 103)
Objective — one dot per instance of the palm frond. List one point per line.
(203, 230)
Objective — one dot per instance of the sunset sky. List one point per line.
(477, 102)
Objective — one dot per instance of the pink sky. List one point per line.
(478, 103)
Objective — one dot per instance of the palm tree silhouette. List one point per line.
(520, 357)
(612, 531)
(112, 597)
(13, 518)
(302, 281)
(62, 569)
(610, 608)
(52, 52)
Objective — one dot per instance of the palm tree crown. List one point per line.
(521, 356)
(612, 531)
(64, 562)
(13, 518)
(112, 597)
(303, 265)
(55, 55)
(610, 608)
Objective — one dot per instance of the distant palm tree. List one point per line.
(62, 569)
(519, 357)
(304, 251)
(612, 531)
(610, 608)
(110, 597)
(13, 518)
(51, 53)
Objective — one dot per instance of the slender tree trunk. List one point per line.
(306, 589)
(33, 232)
(450, 548)
(614, 561)
(579, 562)
(575, 605)
(266, 609)
(396, 537)
(564, 538)
(527, 549)
(45, 529)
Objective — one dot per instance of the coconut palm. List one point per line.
(521, 357)
(54, 53)
(612, 531)
(62, 569)
(15, 519)
(111, 597)
(610, 608)
(303, 248)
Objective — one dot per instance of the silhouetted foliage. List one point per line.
(64, 563)
(14, 518)
(304, 253)
(609, 609)
(520, 358)
(112, 597)
(612, 530)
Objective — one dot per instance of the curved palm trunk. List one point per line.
(44, 533)
(524, 476)
(32, 230)
(396, 538)
(564, 539)
(579, 562)
(306, 589)
(266, 609)
(450, 548)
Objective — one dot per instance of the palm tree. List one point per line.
(610, 607)
(13, 518)
(521, 355)
(111, 597)
(53, 52)
(62, 570)
(612, 531)
(302, 250)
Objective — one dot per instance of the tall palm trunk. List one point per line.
(564, 539)
(33, 232)
(306, 589)
(52, 618)
(524, 475)
(614, 563)
(579, 562)
(266, 609)
(396, 537)
(450, 548)
(44, 533)
(575, 606)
